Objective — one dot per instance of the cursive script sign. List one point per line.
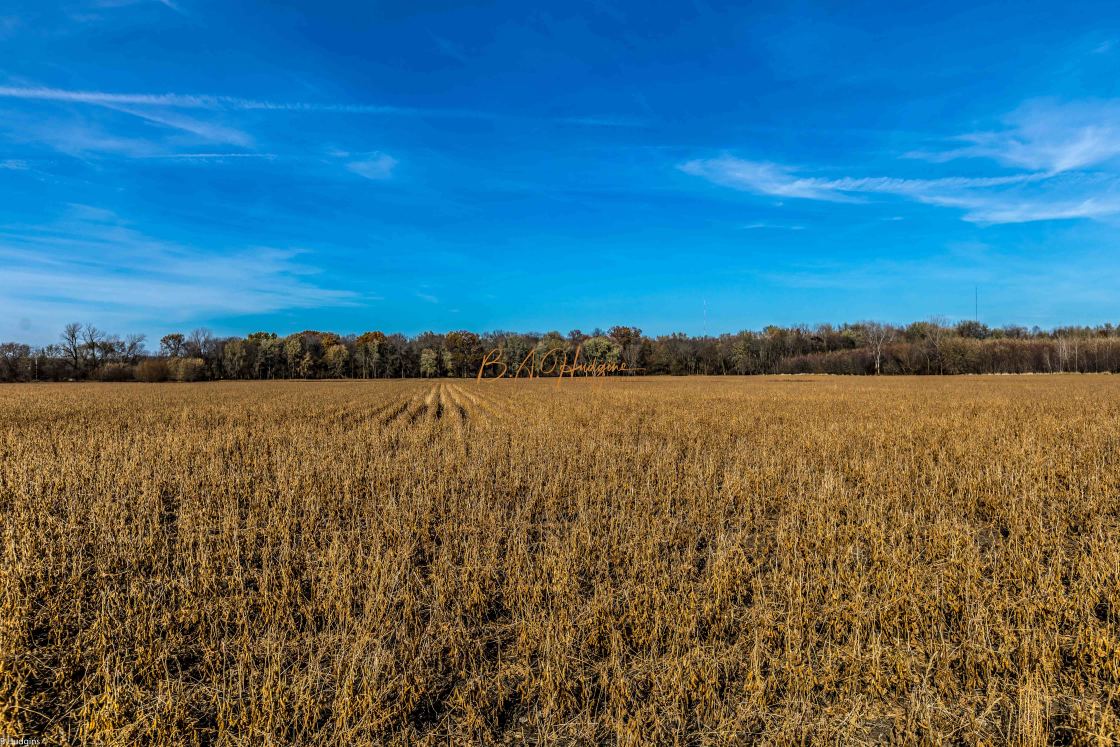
(553, 362)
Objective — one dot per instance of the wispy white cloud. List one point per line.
(1025, 210)
(218, 103)
(783, 181)
(1053, 144)
(377, 166)
(1044, 135)
(14, 164)
(764, 225)
(606, 121)
(236, 103)
(761, 177)
(215, 156)
(206, 131)
(185, 140)
(427, 297)
(80, 135)
(78, 138)
(91, 264)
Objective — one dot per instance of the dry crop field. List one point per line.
(649, 560)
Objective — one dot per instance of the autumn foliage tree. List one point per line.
(927, 347)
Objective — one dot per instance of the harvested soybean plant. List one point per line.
(638, 560)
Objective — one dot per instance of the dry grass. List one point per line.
(697, 561)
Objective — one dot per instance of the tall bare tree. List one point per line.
(93, 345)
(72, 346)
(877, 335)
(133, 348)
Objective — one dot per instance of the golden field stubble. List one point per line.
(658, 560)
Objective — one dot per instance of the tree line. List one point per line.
(85, 352)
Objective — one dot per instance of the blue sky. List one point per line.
(696, 166)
